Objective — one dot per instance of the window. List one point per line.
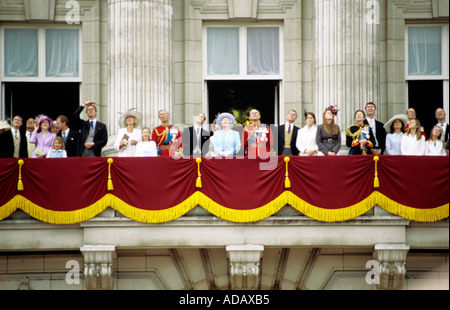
(40, 54)
(241, 51)
(427, 52)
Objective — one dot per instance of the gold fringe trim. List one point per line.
(239, 216)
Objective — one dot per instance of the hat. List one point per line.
(334, 109)
(40, 118)
(131, 112)
(402, 117)
(225, 115)
(4, 125)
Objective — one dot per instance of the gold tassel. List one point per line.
(376, 182)
(198, 183)
(287, 182)
(20, 183)
(110, 184)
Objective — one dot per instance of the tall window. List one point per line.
(249, 52)
(427, 71)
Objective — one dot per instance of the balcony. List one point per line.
(183, 224)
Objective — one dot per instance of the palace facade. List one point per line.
(210, 56)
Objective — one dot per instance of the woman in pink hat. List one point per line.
(42, 137)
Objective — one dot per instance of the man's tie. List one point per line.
(15, 134)
(92, 124)
(289, 128)
(64, 136)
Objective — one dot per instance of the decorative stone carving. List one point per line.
(244, 265)
(392, 264)
(242, 9)
(99, 266)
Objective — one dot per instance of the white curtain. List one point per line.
(21, 52)
(62, 52)
(223, 51)
(425, 50)
(263, 50)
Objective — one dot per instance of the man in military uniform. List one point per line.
(257, 137)
(167, 137)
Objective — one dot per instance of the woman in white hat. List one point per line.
(394, 138)
(226, 141)
(129, 135)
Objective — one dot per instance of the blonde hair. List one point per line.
(60, 140)
(418, 133)
(331, 129)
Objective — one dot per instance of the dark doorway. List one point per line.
(425, 97)
(31, 99)
(224, 96)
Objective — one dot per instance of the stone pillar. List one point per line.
(99, 266)
(244, 265)
(346, 64)
(139, 59)
(392, 265)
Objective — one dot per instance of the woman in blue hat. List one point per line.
(226, 141)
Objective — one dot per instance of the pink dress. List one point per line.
(42, 143)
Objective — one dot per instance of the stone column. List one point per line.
(346, 69)
(140, 59)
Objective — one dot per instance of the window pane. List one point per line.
(21, 52)
(223, 51)
(62, 59)
(425, 50)
(263, 53)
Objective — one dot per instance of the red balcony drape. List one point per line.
(156, 190)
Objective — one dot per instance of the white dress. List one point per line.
(393, 143)
(129, 150)
(306, 140)
(435, 149)
(412, 146)
(146, 149)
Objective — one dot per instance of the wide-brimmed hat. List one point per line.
(225, 115)
(40, 118)
(5, 125)
(131, 112)
(402, 117)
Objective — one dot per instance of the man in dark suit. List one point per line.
(13, 143)
(93, 134)
(287, 135)
(377, 128)
(196, 139)
(445, 128)
(70, 137)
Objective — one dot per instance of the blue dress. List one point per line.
(226, 143)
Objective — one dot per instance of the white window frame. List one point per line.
(279, 114)
(445, 54)
(41, 55)
(242, 52)
(444, 77)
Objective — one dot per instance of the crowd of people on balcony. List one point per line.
(401, 135)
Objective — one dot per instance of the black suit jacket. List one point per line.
(7, 144)
(100, 134)
(446, 133)
(281, 130)
(71, 145)
(190, 140)
(380, 135)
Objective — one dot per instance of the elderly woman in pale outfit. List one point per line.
(128, 136)
(434, 145)
(413, 143)
(306, 137)
(226, 141)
